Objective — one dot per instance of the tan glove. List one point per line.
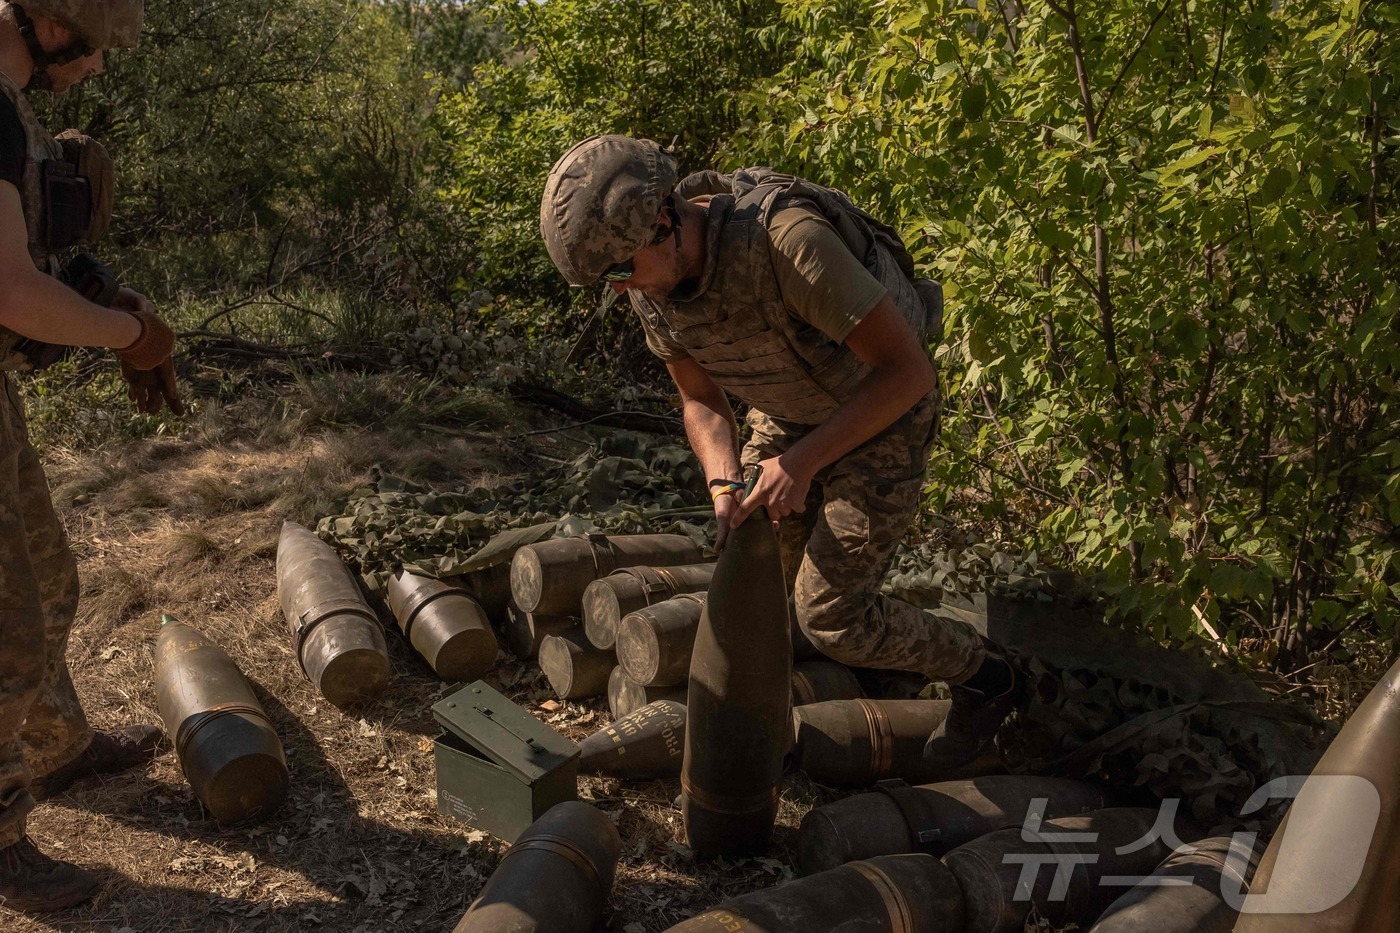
(147, 367)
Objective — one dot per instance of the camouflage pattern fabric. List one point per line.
(42, 726)
(102, 24)
(837, 551)
(737, 326)
(601, 201)
(628, 484)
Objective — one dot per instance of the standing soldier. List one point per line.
(55, 194)
(785, 295)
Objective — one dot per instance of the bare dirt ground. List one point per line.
(188, 524)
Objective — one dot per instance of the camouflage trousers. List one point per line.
(42, 726)
(836, 553)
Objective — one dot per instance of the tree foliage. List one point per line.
(1166, 235)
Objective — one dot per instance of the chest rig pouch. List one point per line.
(77, 192)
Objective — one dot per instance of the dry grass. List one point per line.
(188, 525)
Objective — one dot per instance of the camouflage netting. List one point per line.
(1111, 704)
(1103, 702)
(630, 484)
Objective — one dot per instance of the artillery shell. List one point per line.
(854, 743)
(549, 578)
(648, 743)
(889, 894)
(1311, 877)
(933, 818)
(444, 625)
(626, 696)
(607, 599)
(525, 631)
(654, 643)
(555, 878)
(338, 639)
(1062, 863)
(574, 667)
(1193, 906)
(227, 748)
(819, 681)
(490, 587)
(738, 699)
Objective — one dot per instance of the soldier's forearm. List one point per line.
(42, 308)
(879, 400)
(714, 437)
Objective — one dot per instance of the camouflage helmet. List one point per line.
(601, 202)
(99, 24)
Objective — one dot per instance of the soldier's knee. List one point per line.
(836, 628)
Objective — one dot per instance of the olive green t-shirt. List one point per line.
(821, 280)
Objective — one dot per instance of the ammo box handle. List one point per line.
(491, 715)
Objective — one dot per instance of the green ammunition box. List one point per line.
(498, 767)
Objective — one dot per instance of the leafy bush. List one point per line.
(1166, 234)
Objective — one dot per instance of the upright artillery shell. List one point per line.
(549, 578)
(654, 643)
(933, 818)
(338, 639)
(854, 743)
(444, 625)
(227, 748)
(626, 695)
(525, 631)
(819, 681)
(1312, 876)
(889, 894)
(574, 667)
(648, 743)
(607, 599)
(555, 878)
(1065, 862)
(737, 703)
(1197, 906)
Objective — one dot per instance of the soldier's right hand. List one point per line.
(149, 389)
(146, 364)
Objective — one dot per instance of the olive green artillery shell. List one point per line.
(227, 747)
(524, 631)
(607, 599)
(444, 625)
(1321, 823)
(1085, 848)
(626, 695)
(933, 818)
(854, 743)
(491, 587)
(654, 643)
(555, 878)
(337, 636)
(498, 767)
(1194, 907)
(819, 681)
(574, 667)
(549, 578)
(738, 728)
(646, 744)
(889, 894)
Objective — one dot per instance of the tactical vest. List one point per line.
(41, 147)
(738, 328)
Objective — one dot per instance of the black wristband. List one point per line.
(725, 482)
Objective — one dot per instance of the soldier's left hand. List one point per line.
(781, 487)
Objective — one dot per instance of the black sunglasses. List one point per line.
(622, 271)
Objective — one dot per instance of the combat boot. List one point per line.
(32, 882)
(980, 706)
(108, 753)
